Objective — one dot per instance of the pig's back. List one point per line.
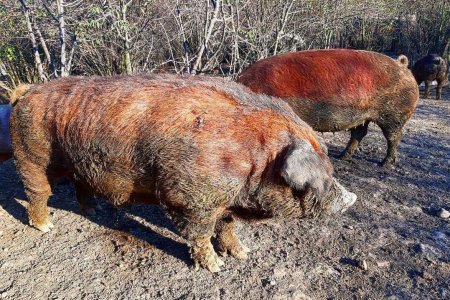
(336, 77)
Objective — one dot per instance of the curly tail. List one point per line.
(403, 60)
(17, 93)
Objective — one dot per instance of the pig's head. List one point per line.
(309, 176)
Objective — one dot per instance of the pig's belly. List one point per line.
(125, 190)
(329, 118)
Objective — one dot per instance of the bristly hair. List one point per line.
(18, 93)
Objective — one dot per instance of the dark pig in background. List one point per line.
(5, 140)
(429, 68)
(334, 90)
(208, 151)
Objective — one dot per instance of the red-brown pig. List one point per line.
(334, 90)
(207, 151)
(428, 68)
(5, 140)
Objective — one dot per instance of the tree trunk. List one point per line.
(37, 58)
(45, 48)
(62, 37)
(127, 57)
(126, 39)
(72, 51)
(280, 31)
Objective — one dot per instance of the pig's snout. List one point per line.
(343, 198)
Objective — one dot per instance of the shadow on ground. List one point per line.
(120, 220)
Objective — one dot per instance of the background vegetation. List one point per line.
(45, 39)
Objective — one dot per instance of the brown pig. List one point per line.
(334, 90)
(207, 151)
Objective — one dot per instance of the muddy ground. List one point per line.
(134, 253)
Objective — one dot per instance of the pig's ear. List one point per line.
(304, 168)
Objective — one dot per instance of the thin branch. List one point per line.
(37, 58)
(207, 35)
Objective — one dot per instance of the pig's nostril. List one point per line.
(349, 201)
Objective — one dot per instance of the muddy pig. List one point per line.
(207, 151)
(5, 140)
(429, 68)
(334, 90)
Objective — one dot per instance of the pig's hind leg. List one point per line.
(357, 134)
(38, 190)
(393, 135)
(227, 240)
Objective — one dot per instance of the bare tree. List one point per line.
(107, 37)
(123, 32)
(209, 26)
(37, 58)
(283, 21)
(42, 42)
(62, 37)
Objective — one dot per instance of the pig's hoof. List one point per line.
(237, 250)
(204, 256)
(44, 227)
(211, 262)
(240, 252)
(388, 163)
(345, 156)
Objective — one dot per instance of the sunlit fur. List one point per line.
(339, 89)
(204, 149)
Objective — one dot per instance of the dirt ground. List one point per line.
(390, 245)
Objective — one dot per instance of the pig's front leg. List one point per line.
(198, 231)
(203, 254)
(86, 199)
(227, 240)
